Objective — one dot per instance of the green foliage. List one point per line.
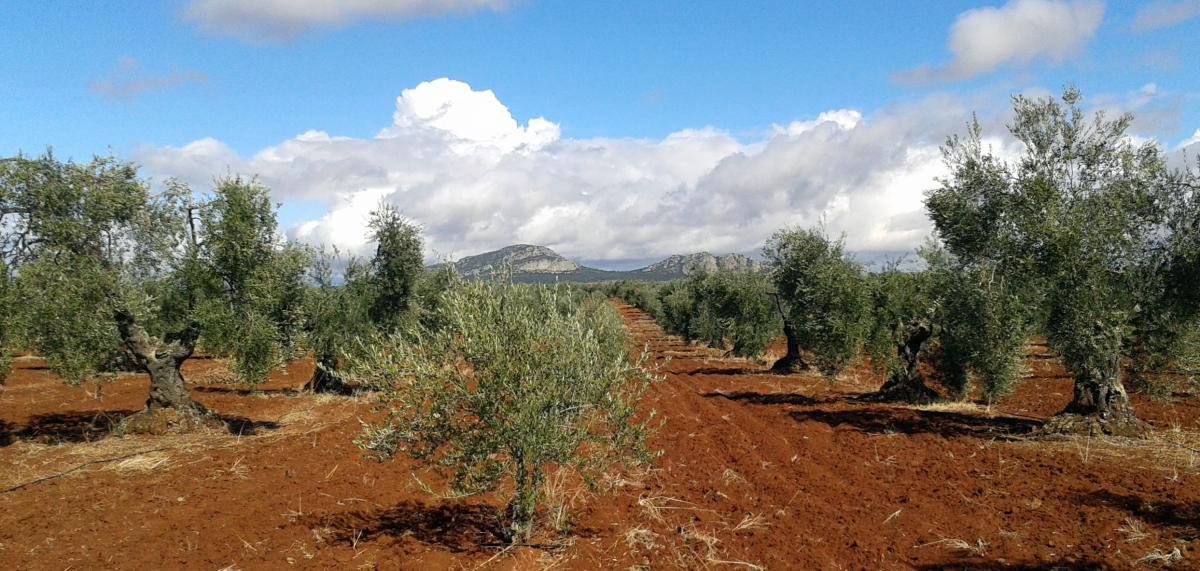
(6, 321)
(396, 267)
(642, 295)
(718, 308)
(984, 325)
(74, 237)
(733, 307)
(515, 380)
(1078, 222)
(825, 298)
(87, 242)
(896, 298)
(247, 284)
(336, 316)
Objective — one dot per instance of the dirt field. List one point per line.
(757, 472)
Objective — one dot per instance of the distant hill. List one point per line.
(703, 262)
(524, 259)
(539, 264)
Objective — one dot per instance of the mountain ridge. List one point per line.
(540, 264)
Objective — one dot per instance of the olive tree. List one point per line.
(105, 267)
(902, 325)
(1082, 218)
(822, 297)
(734, 309)
(336, 315)
(514, 380)
(376, 297)
(395, 268)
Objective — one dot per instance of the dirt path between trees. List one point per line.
(757, 471)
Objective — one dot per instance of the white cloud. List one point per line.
(127, 80)
(280, 20)
(457, 162)
(1159, 15)
(1019, 33)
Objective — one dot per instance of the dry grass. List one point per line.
(977, 549)
(563, 493)
(959, 407)
(1173, 451)
(141, 463)
(731, 477)
(640, 537)
(1160, 558)
(1133, 530)
(751, 522)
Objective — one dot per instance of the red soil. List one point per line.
(757, 471)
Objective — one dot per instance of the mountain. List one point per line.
(539, 264)
(704, 262)
(524, 259)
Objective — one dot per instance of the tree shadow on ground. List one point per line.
(89, 426)
(910, 421)
(1181, 518)
(764, 398)
(726, 371)
(457, 527)
(243, 391)
(959, 565)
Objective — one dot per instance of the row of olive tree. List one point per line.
(110, 276)
(1085, 237)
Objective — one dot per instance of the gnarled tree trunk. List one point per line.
(792, 362)
(906, 384)
(170, 407)
(1100, 406)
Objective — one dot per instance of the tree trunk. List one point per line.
(521, 509)
(906, 384)
(170, 408)
(1100, 406)
(167, 389)
(325, 380)
(792, 362)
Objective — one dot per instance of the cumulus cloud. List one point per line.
(281, 20)
(1159, 15)
(456, 161)
(128, 81)
(1019, 33)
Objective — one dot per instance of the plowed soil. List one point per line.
(757, 472)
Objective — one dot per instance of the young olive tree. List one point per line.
(513, 381)
(1081, 218)
(103, 268)
(396, 267)
(822, 297)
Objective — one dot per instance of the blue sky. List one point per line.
(147, 79)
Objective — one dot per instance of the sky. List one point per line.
(614, 132)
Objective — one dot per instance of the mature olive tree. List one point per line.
(509, 382)
(822, 297)
(902, 325)
(103, 267)
(1083, 218)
